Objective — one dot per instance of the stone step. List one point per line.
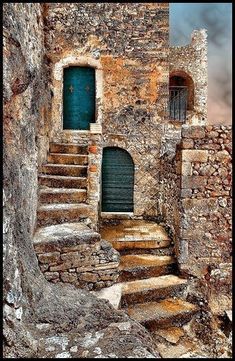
(141, 235)
(68, 148)
(57, 181)
(151, 289)
(64, 170)
(62, 195)
(167, 251)
(58, 213)
(63, 237)
(145, 266)
(144, 230)
(163, 313)
(123, 244)
(63, 158)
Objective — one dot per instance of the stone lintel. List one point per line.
(194, 155)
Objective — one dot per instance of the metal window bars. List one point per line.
(177, 106)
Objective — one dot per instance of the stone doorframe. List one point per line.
(57, 100)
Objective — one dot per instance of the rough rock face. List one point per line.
(62, 320)
(30, 301)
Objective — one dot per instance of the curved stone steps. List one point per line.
(166, 251)
(123, 244)
(136, 234)
(145, 265)
(138, 229)
(163, 313)
(151, 289)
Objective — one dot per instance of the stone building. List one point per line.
(112, 177)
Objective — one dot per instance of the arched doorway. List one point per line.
(78, 97)
(117, 180)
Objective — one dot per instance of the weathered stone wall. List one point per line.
(169, 202)
(192, 60)
(128, 45)
(206, 226)
(92, 264)
(38, 316)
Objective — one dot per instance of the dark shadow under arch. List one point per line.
(179, 78)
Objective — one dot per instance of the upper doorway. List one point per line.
(78, 98)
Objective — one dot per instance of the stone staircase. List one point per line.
(63, 185)
(151, 291)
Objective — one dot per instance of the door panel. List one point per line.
(78, 98)
(117, 180)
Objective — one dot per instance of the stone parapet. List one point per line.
(73, 253)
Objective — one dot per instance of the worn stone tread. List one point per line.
(72, 170)
(63, 206)
(57, 181)
(66, 234)
(61, 190)
(124, 244)
(144, 266)
(162, 311)
(57, 213)
(152, 283)
(67, 158)
(136, 234)
(49, 176)
(62, 195)
(68, 148)
(144, 260)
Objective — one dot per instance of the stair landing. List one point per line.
(135, 234)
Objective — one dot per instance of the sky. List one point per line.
(217, 19)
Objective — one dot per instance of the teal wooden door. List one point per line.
(78, 97)
(117, 180)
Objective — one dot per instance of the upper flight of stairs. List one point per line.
(151, 291)
(63, 185)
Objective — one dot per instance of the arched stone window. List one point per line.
(181, 89)
(117, 180)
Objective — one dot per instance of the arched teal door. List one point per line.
(78, 98)
(117, 180)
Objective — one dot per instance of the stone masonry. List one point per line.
(132, 66)
(205, 247)
(182, 179)
(74, 254)
(191, 60)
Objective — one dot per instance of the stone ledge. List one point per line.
(55, 237)
(73, 253)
